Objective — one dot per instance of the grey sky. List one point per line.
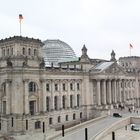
(102, 25)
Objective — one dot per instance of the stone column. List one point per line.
(68, 95)
(104, 92)
(115, 93)
(98, 93)
(68, 101)
(26, 96)
(131, 89)
(109, 92)
(75, 95)
(124, 94)
(60, 101)
(119, 91)
(60, 97)
(8, 96)
(0, 100)
(127, 90)
(43, 82)
(52, 95)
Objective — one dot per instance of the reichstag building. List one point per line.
(44, 85)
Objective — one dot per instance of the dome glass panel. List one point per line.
(55, 51)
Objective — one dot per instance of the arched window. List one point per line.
(29, 51)
(81, 115)
(47, 103)
(23, 51)
(32, 87)
(4, 89)
(74, 116)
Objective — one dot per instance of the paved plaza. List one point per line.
(93, 129)
(123, 134)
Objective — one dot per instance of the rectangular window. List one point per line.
(26, 124)
(47, 87)
(55, 103)
(74, 116)
(59, 119)
(71, 86)
(71, 101)
(64, 87)
(12, 121)
(63, 101)
(56, 87)
(67, 118)
(4, 107)
(50, 120)
(47, 103)
(80, 115)
(78, 100)
(37, 125)
(11, 51)
(78, 86)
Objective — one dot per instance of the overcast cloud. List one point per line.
(102, 25)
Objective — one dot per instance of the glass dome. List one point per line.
(55, 51)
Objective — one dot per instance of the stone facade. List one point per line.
(36, 98)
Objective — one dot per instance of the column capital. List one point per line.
(98, 80)
(109, 80)
(119, 79)
(42, 80)
(104, 80)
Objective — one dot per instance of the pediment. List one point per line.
(108, 68)
(114, 69)
(32, 96)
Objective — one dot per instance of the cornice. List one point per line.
(21, 39)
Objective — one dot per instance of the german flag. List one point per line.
(20, 17)
(130, 45)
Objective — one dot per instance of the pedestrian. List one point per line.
(137, 111)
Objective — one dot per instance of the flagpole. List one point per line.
(20, 19)
(20, 27)
(130, 47)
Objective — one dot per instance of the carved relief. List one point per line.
(114, 69)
